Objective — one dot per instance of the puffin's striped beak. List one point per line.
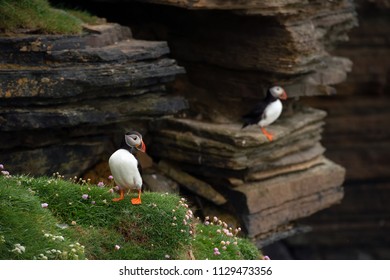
(284, 96)
(141, 147)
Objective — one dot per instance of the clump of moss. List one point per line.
(38, 16)
(54, 218)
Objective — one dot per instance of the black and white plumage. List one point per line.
(124, 166)
(267, 111)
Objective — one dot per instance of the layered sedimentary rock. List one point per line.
(266, 183)
(357, 136)
(233, 51)
(236, 49)
(64, 98)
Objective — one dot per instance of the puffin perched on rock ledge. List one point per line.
(124, 166)
(267, 111)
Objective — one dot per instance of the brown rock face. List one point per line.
(357, 135)
(63, 99)
(232, 52)
(268, 184)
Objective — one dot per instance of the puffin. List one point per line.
(267, 111)
(125, 168)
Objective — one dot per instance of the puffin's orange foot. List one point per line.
(122, 196)
(136, 201)
(269, 136)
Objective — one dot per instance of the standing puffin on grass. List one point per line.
(267, 111)
(124, 166)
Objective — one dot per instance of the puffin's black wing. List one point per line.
(255, 115)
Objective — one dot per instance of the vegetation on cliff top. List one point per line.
(37, 16)
(51, 218)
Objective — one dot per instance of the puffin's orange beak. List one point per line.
(284, 96)
(142, 147)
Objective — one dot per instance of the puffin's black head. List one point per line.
(278, 92)
(133, 139)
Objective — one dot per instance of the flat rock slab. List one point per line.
(190, 182)
(68, 157)
(233, 135)
(262, 195)
(230, 147)
(268, 204)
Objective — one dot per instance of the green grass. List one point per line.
(229, 246)
(39, 16)
(23, 221)
(161, 227)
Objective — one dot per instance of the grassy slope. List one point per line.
(39, 16)
(162, 227)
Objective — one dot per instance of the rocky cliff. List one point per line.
(357, 136)
(231, 51)
(65, 99)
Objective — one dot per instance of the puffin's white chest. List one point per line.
(124, 169)
(271, 113)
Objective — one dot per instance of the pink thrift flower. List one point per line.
(1, 166)
(216, 251)
(110, 177)
(6, 173)
(44, 205)
(266, 258)
(85, 196)
(100, 184)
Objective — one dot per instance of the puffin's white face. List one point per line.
(278, 92)
(134, 140)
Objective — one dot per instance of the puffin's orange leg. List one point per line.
(122, 196)
(136, 201)
(267, 134)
